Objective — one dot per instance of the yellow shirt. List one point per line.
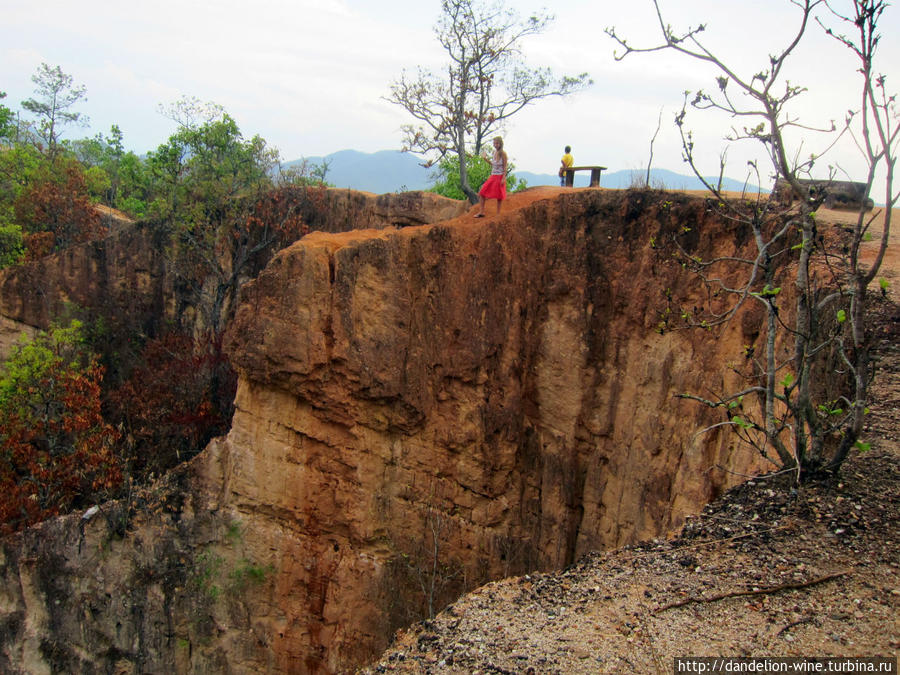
(568, 160)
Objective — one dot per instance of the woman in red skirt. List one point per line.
(495, 186)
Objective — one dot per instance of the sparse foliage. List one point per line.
(433, 571)
(304, 173)
(485, 83)
(56, 95)
(811, 403)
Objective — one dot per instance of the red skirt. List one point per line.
(493, 188)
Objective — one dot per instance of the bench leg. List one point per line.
(570, 178)
(595, 177)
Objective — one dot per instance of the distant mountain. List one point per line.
(625, 178)
(395, 171)
(378, 172)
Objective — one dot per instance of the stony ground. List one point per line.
(770, 569)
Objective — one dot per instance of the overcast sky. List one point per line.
(309, 76)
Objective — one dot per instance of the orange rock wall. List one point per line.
(419, 410)
(500, 387)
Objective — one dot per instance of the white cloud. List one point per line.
(309, 75)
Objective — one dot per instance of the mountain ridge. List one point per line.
(395, 171)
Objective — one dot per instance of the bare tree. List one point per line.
(190, 113)
(879, 142)
(811, 405)
(433, 573)
(485, 82)
(652, 141)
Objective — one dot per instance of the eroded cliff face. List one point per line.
(419, 410)
(136, 272)
(495, 396)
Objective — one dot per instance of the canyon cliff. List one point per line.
(419, 410)
(137, 270)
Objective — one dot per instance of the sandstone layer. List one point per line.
(473, 400)
(419, 410)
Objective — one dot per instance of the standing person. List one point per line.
(567, 162)
(495, 186)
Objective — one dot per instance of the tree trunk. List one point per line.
(464, 178)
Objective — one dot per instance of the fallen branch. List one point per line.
(758, 591)
(792, 624)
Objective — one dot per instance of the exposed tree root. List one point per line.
(757, 591)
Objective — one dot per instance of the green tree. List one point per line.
(204, 179)
(12, 245)
(446, 176)
(19, 163)
(11, 242)
(6, 120)
(203, 165)
(485, 83)
(53, 105)
(45, 193)
(132, 185)
(101, 157)
(116, 177)
(167, 166)
(56, 452)
(223, 165)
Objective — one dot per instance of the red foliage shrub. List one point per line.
(38, 245)
(58, 204)
(174, 402)
(56, 451)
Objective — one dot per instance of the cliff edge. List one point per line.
(429, 408)
(420, 410)
(769, 570)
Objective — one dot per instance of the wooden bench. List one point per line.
(595, 174)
